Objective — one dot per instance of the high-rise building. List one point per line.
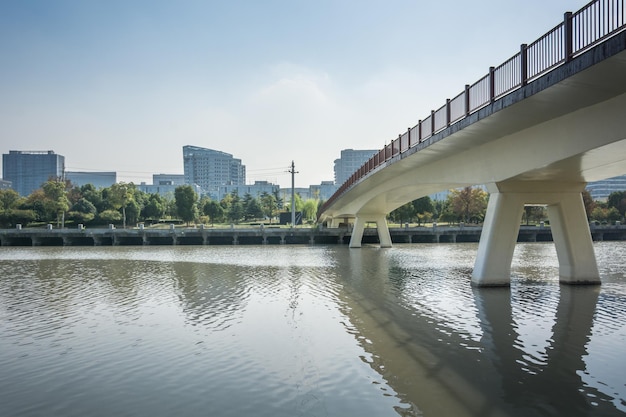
(349, 162)
(323, 191)
(600, 190)
(210, 169)
(29, 170)
(97, 179)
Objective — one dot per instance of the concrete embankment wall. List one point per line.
(269, 236)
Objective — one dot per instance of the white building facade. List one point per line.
(211, 169)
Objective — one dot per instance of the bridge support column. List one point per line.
(359, 226)
(497, 240)
(570, 232)
(574, 245)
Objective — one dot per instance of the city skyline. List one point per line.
(123, 86)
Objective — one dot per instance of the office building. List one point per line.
(211, 169)
(29, 170)
(97, 179)
(323, 191)
(349, 162)
(600, 190)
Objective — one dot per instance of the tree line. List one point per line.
(123, 203)
(469, 205)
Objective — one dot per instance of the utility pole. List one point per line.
(293, 172)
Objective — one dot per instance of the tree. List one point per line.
(213, 210)
(617, 199)
(154, 209)
(468, 203)
(9, 199)
(247, 201)
(133, 211)
(309, 209)
(535, 213)
(94, 196)
(110, 216)
(235, 207)
(277, 199)
(12, 217)
(404, 213)
(41, 205)
(269, 205)
(82, 211)
(186, 198)
(253, 210)
(118, 196)
(56, 192)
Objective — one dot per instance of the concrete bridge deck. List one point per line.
(534, 130)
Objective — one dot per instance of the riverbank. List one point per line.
(264, 235)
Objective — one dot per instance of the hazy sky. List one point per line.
(123, 85)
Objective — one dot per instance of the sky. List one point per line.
(123, 85)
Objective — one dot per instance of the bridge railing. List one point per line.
(579, 31)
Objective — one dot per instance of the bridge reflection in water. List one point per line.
(527, 347)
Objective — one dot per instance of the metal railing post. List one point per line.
(447, 112)
(492, 84)
(432, 122)
(467, 100)
(419, 131)
(523, 62)
(568, 35)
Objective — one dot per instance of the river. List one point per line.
(306, 331)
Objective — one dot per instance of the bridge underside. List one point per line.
(539, 147)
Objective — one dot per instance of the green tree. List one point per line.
(424, 205)
(118, 197)
(42, 206)
(269, 205)
(247, 201)
(468, 203)
(83, 211)
(234, 212)
(133, 211)
(617, 200)
(309, 209)
(56, 192)
(186, 198)
(94, 196)
(9, 199)
(404, 213)
(277, 199)
(253, 210)
(154, 209)
(110, 216)
(214, 210)
(12, 217)
(536, 214)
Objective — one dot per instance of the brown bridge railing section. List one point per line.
(592, 24)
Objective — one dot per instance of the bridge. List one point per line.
(534, 130)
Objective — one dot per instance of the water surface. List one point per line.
(306, 331)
